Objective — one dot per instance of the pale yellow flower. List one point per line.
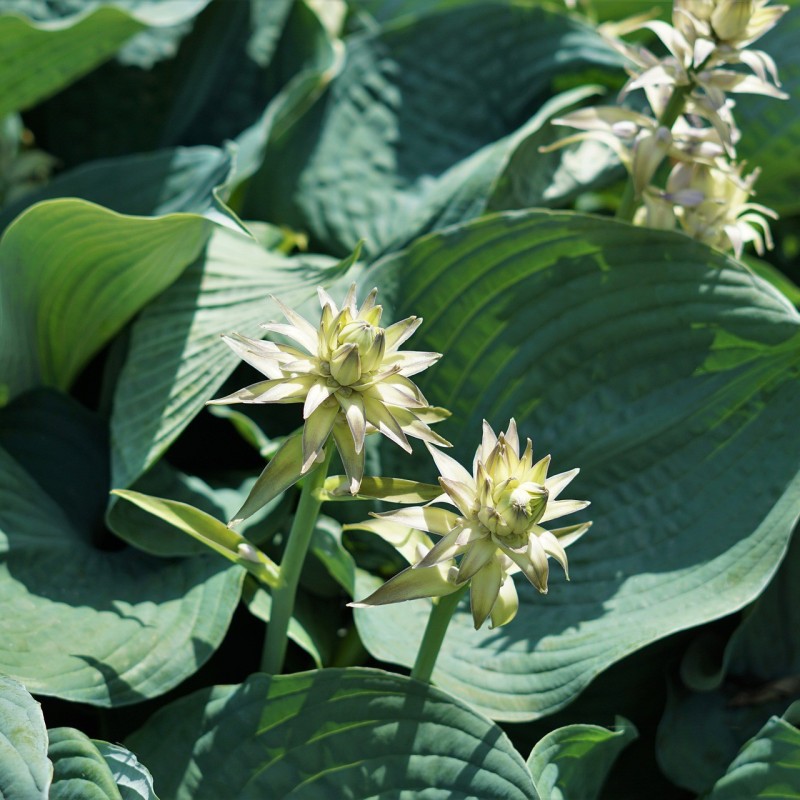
(496, 530)
(350, 375)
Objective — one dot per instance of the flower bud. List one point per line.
(346, 364)
(731, 18)
(522, 505)
(648, 153)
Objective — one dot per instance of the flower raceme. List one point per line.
(495, 532)
(350, 375)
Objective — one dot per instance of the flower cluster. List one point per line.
(349, 374)
(691, 120)
(495, 531)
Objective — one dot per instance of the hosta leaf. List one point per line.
(148, 184)
(80, 771)
(330, 733)
(176, 360)
(91, 622)
(402, 142)
(71, 275)
(571, 763)
(38, 59)
(739, 684)
(24, 767)
(771, 128)
(667, 373)
(133, 779)
(768, 766)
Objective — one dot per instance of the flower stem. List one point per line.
(291, 565)
(630, 202)
(432, 639)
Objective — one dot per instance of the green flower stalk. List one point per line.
(496, 530)
(352, 379)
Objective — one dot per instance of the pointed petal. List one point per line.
(411, 425)
(326, 300)
(394, 395)
(383, 420)
(450, 468)
(555, 549)
(410, 362)
(352, 460)
(316, 432)
(401, 331)
(533, 563)
(303, 326)
(353, 407)
(483, 592)
(571, 533)
(538, 473)
(369, 302)
(556, 484)
(316, 396)
(301, 337)
(478, 555)
(488, 441)
(560, 508)
(411, 584)
(506, 605)
(461, 495)
(512, 437)
(427, 518)
(452, 545)
(349, 301)
(284, 390)
(264, 356)
(283, 470)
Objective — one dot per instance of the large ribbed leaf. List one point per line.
(150, 184)
(420, 123)
(24, 768)
(767, 767)
(736, 687)
(352, 733)
(87, 769)
(667, 373)
(771, 128)
(71, 275)
(88, 620)
(39, 58)
(176, 360)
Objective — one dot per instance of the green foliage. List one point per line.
(571, 763)
(648, 360)
(381, 733)
(182, 161)
(24, 769)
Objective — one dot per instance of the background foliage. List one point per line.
(185, 159)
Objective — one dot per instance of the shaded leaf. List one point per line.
(41, 58)
(572, 763)
(176, 360)
(92, 623)
(24, 767)
(79, 769)
(402, 142)
(771, 128)
(150, 184)
(667, 373)
(767, 766)
(371, 733)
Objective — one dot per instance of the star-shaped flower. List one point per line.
(495, 532)
(350, 375)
